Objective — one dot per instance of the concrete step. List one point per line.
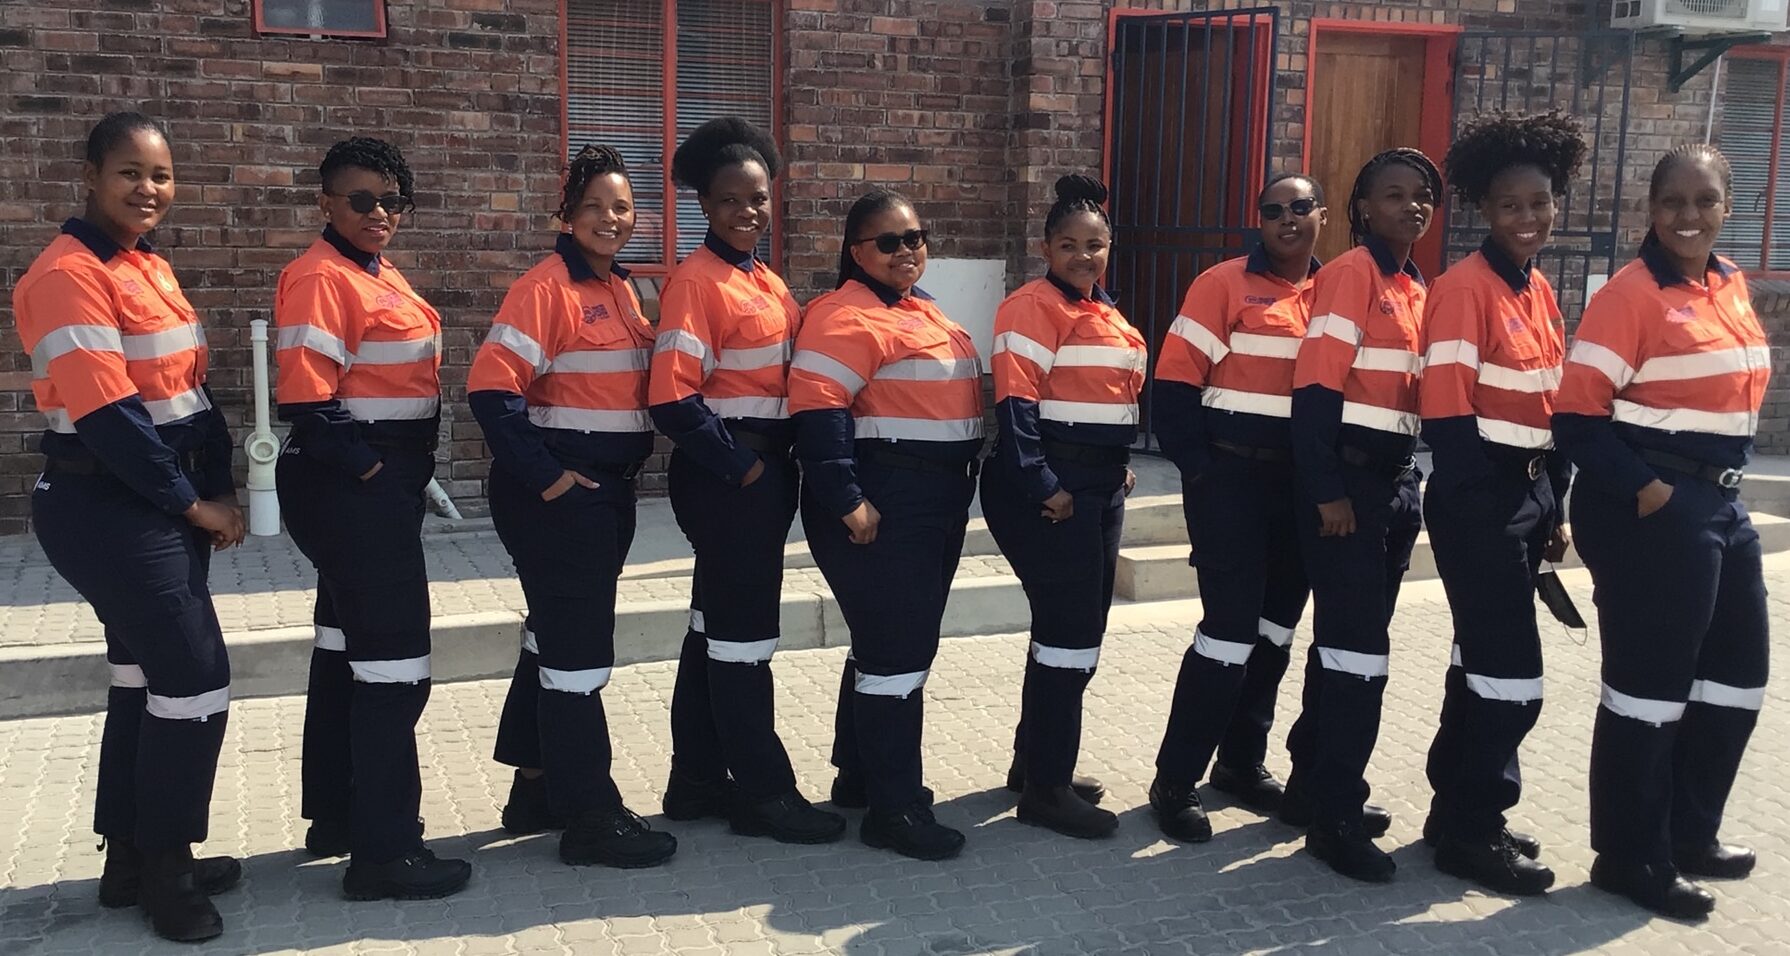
(1161, 573)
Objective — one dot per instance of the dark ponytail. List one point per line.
(869, 204)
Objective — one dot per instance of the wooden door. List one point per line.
(1367, 95)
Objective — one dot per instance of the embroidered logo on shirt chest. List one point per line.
(131, 287)
(909, 324)
(757, 303)
(1515, 324)
(594, 312)
(1683, 315)
(389, 300)
(1387, 308)
(1259, 300)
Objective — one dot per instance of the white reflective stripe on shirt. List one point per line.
(57, 420)
(1255, 403)
(1677, 368)
(1452, 352)
(1336, 327)
(128, 675)
(696, 621)
(890, 685)
(1088, 413)
(528, 642)
(169, 341)
(919, 429)
(1683, 419)
(195, 707)
(187, 403)
(409, 670)
(1534, 381)
(70, 338)
(519, 342)
(929, 370)
(1382, 419)
(590, 419)
(1515, 435)
(681, 340)
(1224, 652)
(328, 638)
(1279, 635)
(742, 652)
(1613, 366)
(1727, 695)
(602, 360)
(774, 355)
(1655, 712)
(1387, 360)
(1066, 658)
(400, 352)
(587, 681)
(1200, 337)
(1099, 356)
(828, 367)
(1038, 353)
(315, 339)
(391, 409)
(1516, 690)
(1265, 346)
(749, 406)
(1354, 662)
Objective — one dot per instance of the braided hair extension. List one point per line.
(1497, 141)
(594, 160)
(365, 152)
(1691, 153)
(719, 143)
(1364, 181)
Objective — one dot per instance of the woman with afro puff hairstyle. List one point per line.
(727, 324)
(359, 353)
(1494, 342)
(559, 388)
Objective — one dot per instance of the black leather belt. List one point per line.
(1098, 455)
(1532, 465)
(425, 447)
(1361, 459)
(189, 461)
(760, 442)
(1725, 477)
(627, 470)
(872, 454)
(1253, 453)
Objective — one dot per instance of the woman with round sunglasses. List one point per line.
(1494, 341)
(358, 353)
(1224, 386)
(719, 383)
(1067, 372)
(886, 393)
(135, 495)
(559, 390)
(1658, 408)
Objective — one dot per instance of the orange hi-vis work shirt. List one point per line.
(118, 362)
(561, 379)
(727, 328)
(1355, 377)
(1494, 341)
(1665, 363)
(1226, 368)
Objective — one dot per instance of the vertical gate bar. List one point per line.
(1161, 129)
(1142, 39)
(1485, 44)
(1181, 125)
(1532, 88)
(1504, 80)
(1244, 185)
(1628, 63)
(1553, 71)
(1597, 149)
(1224, 128)
(1205, 94)
(1273, 93)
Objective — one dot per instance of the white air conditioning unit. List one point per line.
(1702, 16)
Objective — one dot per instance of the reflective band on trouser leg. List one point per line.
(1277, 634)
(742, 652)
(890, 685)
(1516, 690)
(1066, 658)
(1724, 695)
(128, 675)
(1655, 712)
(329, 638)
(696, 621)
(196, 707)
(1364, 666)
(410, 670)
(587, 681)
(1224, 652)
(528, 642)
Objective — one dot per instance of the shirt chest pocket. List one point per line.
(1389, 327)
(760, 326)
(1282, 317)
(1517, 339)
(606, 334)
(1699, 334)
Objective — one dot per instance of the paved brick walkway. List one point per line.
(1016, 889)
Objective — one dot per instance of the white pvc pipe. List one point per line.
(439, 500)
(1715, 95)
(262, 446)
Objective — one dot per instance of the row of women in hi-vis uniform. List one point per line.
(1290, 397)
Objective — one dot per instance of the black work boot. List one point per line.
(1526, 844)
(614, 837)
(1349, 850)
(1062, 809)
(528, 810)
(913, 832)
(1497, 864)
(326, 838)
(1178, 811)
(1716, 860)
(121, 880)
(1254, 787)
(1656, 887)
(1089, 789)
(849, 792)
(691, 798)
(417, 875)
(1296, 811)
(176, 906)
(788, 818)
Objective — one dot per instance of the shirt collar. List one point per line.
(360, 257)
(1388, 265)
(888, 295)
(726, 253)
(1515, 276)
(1666, 272)
(1074, 295)
(97, 242)
(577, 267)
(1260, 264)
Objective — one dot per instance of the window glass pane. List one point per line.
(322, 16)
(615, 94)
(1749, 124)
(723, 68)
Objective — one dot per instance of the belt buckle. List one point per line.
(1407, 466)
(1730, 478)
(1535, 467)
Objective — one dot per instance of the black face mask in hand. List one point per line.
(1559, 603)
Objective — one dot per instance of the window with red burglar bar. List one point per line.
(1753, 112)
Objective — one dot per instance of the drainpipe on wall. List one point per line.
(1715, 95)
(262, 446)
(439, 500)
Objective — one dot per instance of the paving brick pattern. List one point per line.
(1016, 889)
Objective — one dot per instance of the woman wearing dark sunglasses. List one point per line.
(359, 351)
(1067, 372)
(1494, 342)
(886, 393)
(1224, 387)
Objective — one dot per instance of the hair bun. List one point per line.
(1075, 186)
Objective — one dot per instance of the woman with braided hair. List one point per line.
(1067, 371)
(359, 353)
(559, 388)
(1354, 429)
(1494, 342)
